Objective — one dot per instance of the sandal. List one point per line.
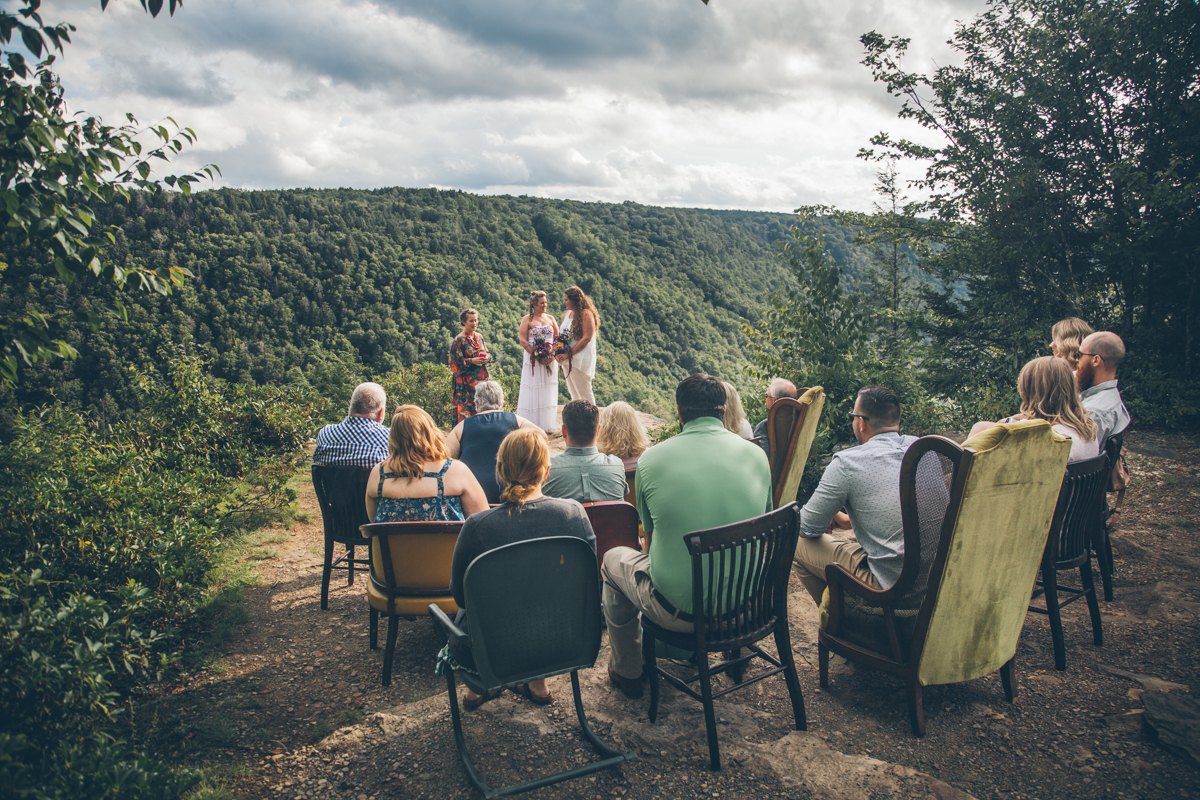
(537, 699)
(472, 703)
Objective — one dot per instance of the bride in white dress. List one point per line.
(584, 324)
(538, 400)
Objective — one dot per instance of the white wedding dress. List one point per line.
(538, 400)
(583, 368)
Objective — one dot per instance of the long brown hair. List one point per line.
(413, 441)
(621, 434)
(534, 296)
(1047, 390)
(521, 463)
(583, 304)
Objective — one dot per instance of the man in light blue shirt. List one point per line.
(1096, 375)
(865, 480)
(583, 473)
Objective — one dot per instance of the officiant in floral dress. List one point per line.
(468, 362)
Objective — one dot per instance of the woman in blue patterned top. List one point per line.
(419, 481)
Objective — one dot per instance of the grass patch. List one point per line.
(339, 720)
(262, 554)
(217, 728)
(1186, 524)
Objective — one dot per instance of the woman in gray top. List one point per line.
(522, 464)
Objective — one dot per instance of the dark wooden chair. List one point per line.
(534, 612)
(1109, 518)
(342, 496)
(976, 520)
(410, 568)
(615, 524)
(739, 587)
(1080, 504)
(630, 477)
(791, 426)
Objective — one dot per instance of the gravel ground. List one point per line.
(293, 707)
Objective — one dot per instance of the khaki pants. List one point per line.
(628, 593)
(813, 554)
(579, 384)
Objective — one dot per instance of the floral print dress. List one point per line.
(417, 509)
(466, 374)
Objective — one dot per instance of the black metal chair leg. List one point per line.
(326, 573)
(390, 649)
(650, 659)
(710, 715)
(460, 742)
(596, 742)
(822, 665)
(374, 628)
(916, 706)
(783, 645)
(350, 564)
(1050, 585)
(1089, 586)
(1008, 677)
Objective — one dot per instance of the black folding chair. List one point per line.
(342, 496)
(534, 612)
(741, 599)
(1109, 518)
(1080, 506)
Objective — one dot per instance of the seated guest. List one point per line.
(1065, 338)
(1047, 391)
(735, 416)
(703, 478)
(476, 439)
(522, 464)
(418, 481)
(864, 480)
(621, 434)
(360, 440)
(582, 472)
(1096, 376)
(777, 388)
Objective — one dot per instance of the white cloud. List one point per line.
(757, 104)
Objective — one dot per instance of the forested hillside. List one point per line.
(318, 287)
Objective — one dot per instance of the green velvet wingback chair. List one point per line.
(975, 519)
(791, 427)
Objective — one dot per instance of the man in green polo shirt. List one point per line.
(703, 478)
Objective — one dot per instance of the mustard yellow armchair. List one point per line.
(976, 519)
(791, 427)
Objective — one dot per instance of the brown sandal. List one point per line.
(470, 704)
(537, 699)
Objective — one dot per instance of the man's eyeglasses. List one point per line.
(1089, 355)
(863, 417)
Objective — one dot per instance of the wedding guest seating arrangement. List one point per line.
(1080, 504)
(791, 427)
(410, 569)
(341, 494)
(739, 580)
(535, 613)
(971, 559)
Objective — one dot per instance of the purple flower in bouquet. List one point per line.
(543, 350)
(562, 347)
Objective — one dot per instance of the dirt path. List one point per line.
(293, 675)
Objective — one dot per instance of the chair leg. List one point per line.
(783, 645)
(1050, 584)
(326, 571)
(374, 628)
(596, 742)
(459, 741)
(916, 706)
(710, 714)
(737, 672)
(1102, 548)
(390, 650)
(350, 564)
(1008, 677)
(650, 666)
(822, 665)
(1089, 586)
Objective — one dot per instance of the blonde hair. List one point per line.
(412, 441)
(735, 415)
(583, 304)
(1068, 334)
(621, 434)
(521, 464)
(534, 296)
(1047, 389)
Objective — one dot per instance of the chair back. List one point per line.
(993, 537)
(412, 559)
(791, 427)
(534, 610)
(1080, 504)
(615, 524)
(342, 496)
(928, 476)
(739, 577)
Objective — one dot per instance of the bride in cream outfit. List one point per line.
(584, 324)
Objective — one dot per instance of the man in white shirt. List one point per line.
(1096, 376)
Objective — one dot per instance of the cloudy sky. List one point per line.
(751, 104)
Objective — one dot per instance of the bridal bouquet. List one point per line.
(544, 350)
(562, 347)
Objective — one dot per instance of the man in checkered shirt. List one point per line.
(360, 440)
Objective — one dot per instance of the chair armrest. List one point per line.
(845, 580)
(454, 634)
